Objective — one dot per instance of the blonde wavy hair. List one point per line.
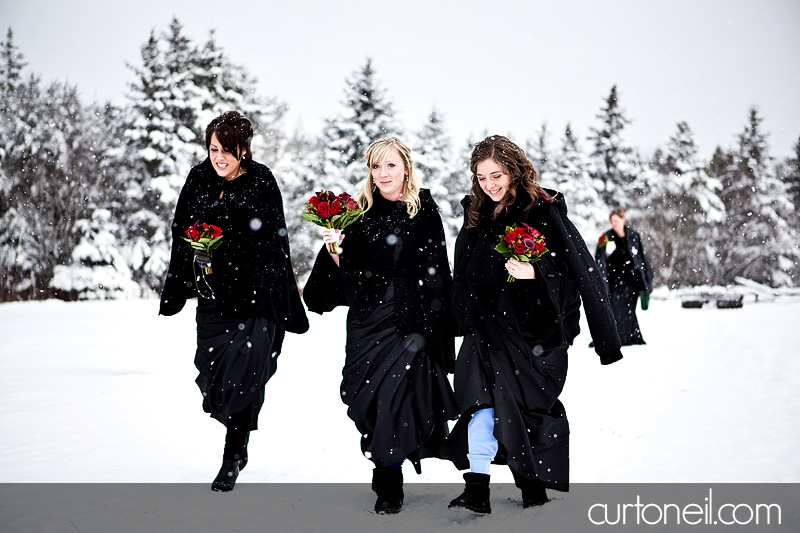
(377, 152)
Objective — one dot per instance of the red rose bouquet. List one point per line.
(203, 237)
(605, 243)
(328, 210)
(524, 244)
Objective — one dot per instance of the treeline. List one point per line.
(87, 191)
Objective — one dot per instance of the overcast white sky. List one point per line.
(498, 65)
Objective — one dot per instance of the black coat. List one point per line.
(566, 275)
(635, 249)
(420, 273)
(253, 274)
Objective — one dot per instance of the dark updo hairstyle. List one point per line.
(234, 133)
(521, 174)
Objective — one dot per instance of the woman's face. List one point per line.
(618, 224)
(493, 179)
(389, 175)
(225, 163)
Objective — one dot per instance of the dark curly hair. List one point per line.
(519, 168)
(234, 133)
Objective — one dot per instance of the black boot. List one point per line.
(226, 478)
(242, 457)
(476, 494)
(387, 483)
(533, 493)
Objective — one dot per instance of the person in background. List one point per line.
(626, 269)
(393, 274)
(512, 364)
(249, 298)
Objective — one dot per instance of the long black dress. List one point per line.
(249, 301)
(627, 272)
(395, 277)
(516, 335)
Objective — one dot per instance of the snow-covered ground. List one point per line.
(104, 392)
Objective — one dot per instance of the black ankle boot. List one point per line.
(387, 483)
(226, 478)
(533, 492)
(242, 457)
(476, 494)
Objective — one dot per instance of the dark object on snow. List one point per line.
(226, 478)
(533, 492)
(692, 304)
(730, 303)
(387, 483)
(476, 494)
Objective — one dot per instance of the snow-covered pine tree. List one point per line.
(790, 174)
(164, 102)
(539, 152)
(613, 162)
(757, 242)
(298, 173)
(226, 86)
(680, 213)
(569, 175)
(433, 157)
(96, 269)
(369, 116)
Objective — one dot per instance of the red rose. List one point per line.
(314, 200)
(328, 196)
(336, 208)
(324, 210)
(193, 233)
(526, 236)
(510, 237)
(539, 248)
(351, 204)
(215, 232)
(519, 231)
(519, 248)
(343, 197)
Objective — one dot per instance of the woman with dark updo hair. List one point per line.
(512, 363)
(248, 298)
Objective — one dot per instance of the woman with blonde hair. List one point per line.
(393, 274)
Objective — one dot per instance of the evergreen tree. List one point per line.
(614, 163)
(571, 177)
(538, 151)
(298, 174)
(757, 242)
(681, 212)
(790, 174)
(225, 86)
(345, 138)
(433, 157)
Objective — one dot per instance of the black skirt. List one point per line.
(399, 399)
(624, 295)
(235, 359)
(522, 383)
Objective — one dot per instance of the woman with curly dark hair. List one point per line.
(512, 363)
(246, 289)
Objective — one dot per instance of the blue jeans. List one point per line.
(481, 440)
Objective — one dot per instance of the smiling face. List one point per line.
(226, 164)
(389, 175)
(493, 179)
